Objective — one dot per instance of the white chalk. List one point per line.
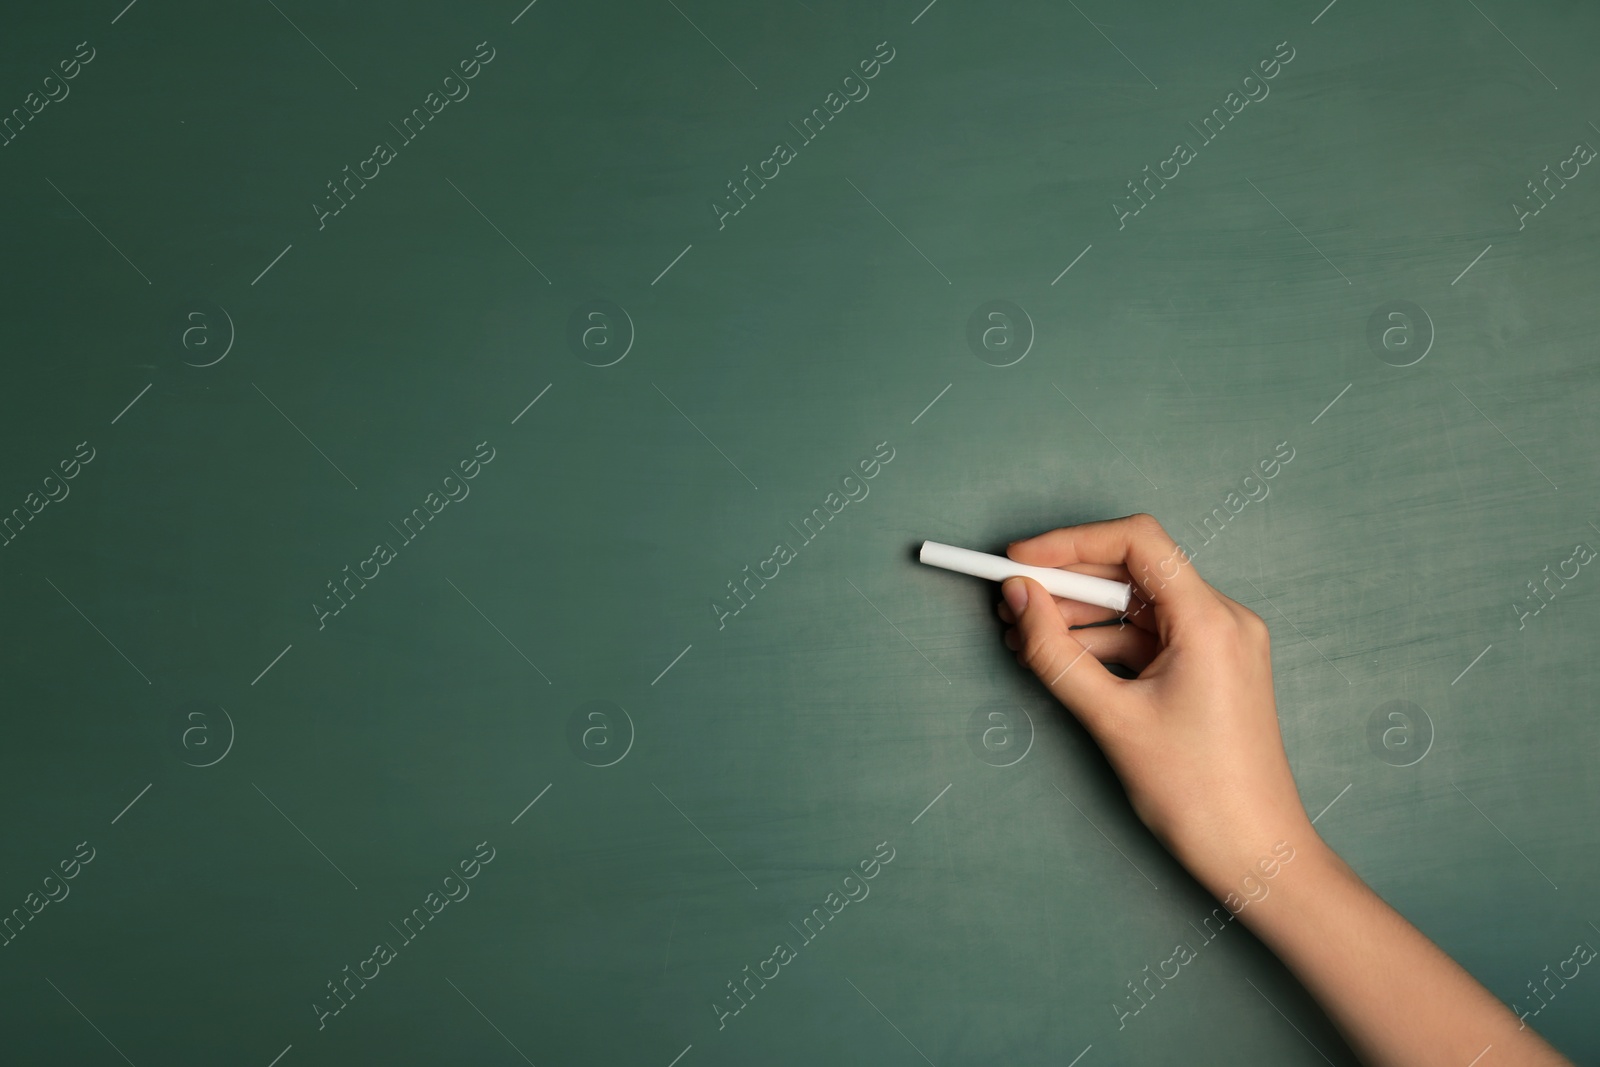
(1070, 584)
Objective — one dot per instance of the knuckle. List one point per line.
(1215, 617)
(1037, 652)
(1147, 528)
(1242, 632)
(1254, 625)
(1145, 522)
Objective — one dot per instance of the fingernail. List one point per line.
(1015, 590)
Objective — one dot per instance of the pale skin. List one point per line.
(1195, 741)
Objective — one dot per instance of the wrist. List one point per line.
(1245, 870)
(1301, 896)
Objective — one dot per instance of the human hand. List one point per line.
(1194, 738)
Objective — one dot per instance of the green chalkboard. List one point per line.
(464, 464)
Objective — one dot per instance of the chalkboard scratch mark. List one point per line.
(121, 13)
(1085, 1052)
(1297, 229)
(890, 1021)
(90, 1021)
(1450, 445)
(532, 402)
(501, 632)
(1474, 663)
(931, 803)
(490, 1021)
(97, 630)
(1179, 369)
(1074, 263)
(1513, 44)
(901, 232)
(901, 632)
(1102, 433)
(1324, 11)
(924, 11)
(1332, 402)
(713, 44)
(531, 803)
(501, 232)
(674, 263)
(921, 413)
(1331, 803)
(1289, 1021)
(132, 402)
(680, 1055)
(702, 833)
(524, 11)
(302, 433)
(1480, 1055)
(1299, 631)
(274, 263)
(274, 663)
(286, 1048)
(131, 803)
(1113, 44)
(1474, 263)
(101, 232)
(1502, 833)
(1102, 833)
(702, 433)
(669, 666)
(313, 44)
(1502, 433)
(302, 833)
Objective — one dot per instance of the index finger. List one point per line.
(1162, 572)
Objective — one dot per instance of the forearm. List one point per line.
(1397, 998)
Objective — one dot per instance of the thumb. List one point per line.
(1072, 674)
